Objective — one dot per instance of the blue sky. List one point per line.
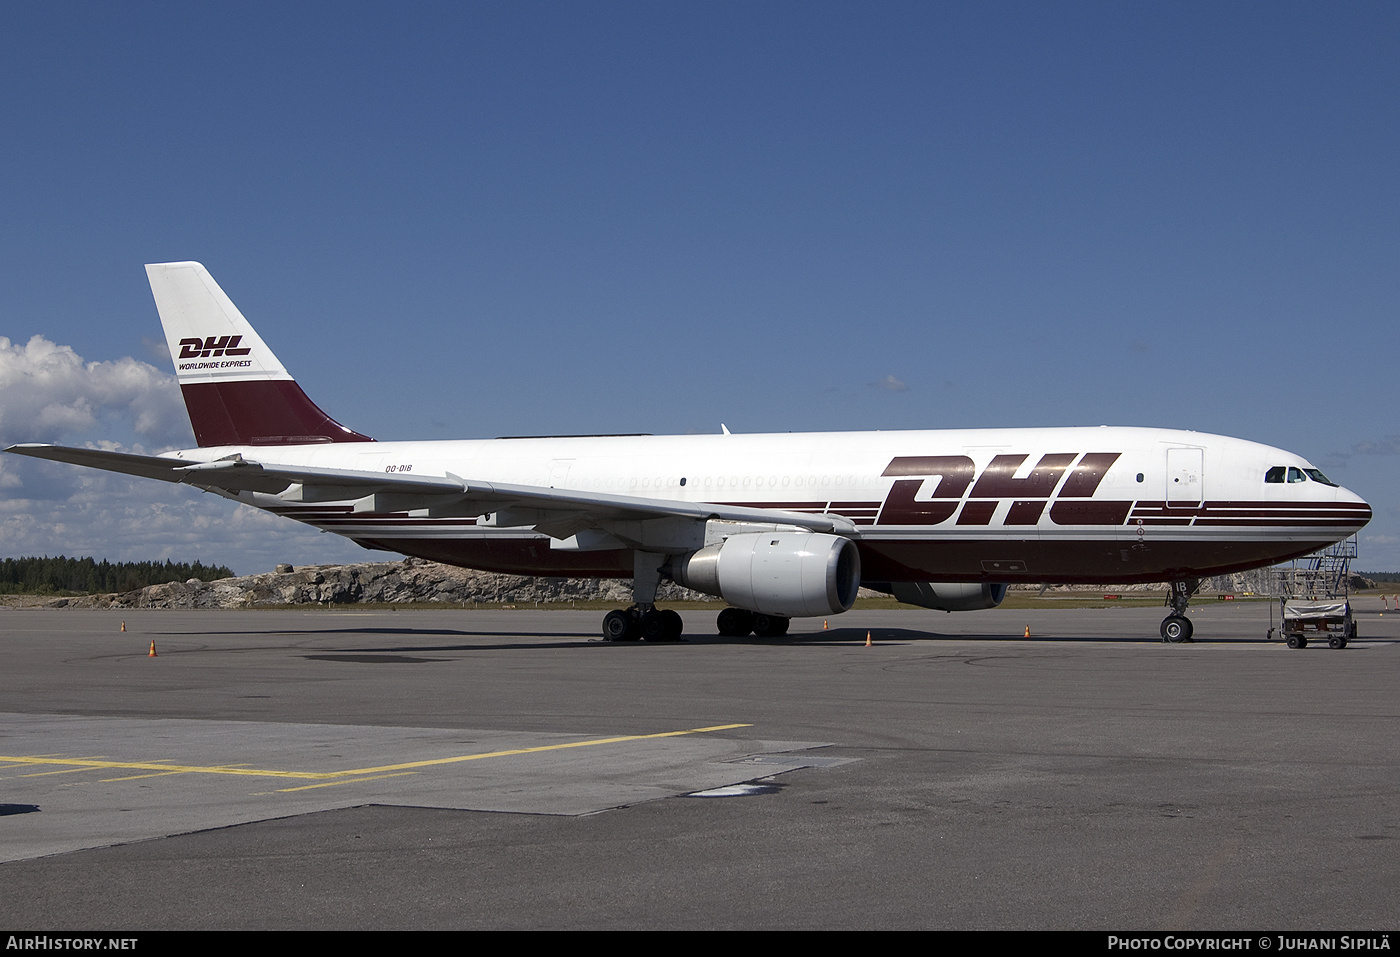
(459, 220)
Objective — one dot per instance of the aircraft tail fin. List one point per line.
(235, 389)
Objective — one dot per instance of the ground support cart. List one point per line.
(1329, 619)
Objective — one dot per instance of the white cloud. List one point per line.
(1390, 445)
(159, 351)
(892, 384)
(129, 519)
(48, 393)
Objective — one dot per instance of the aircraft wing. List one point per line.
(234, 474)
(595, 506)
(556, 512)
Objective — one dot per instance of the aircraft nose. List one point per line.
(1362, 508)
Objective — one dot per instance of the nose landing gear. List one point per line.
(1176, 627)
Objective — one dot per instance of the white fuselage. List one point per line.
(1106, 505)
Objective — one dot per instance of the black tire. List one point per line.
(661, 625)
(770, 626)
(653, 626)
(1176, 628)
(734, 622)
(619, 626)
(1336, 641)
(1297, 641)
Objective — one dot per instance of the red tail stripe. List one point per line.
(265, 412)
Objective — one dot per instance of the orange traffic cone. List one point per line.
(123, 626)
(153, 650)
(867, 639)
(1028, 631)
(825, 627)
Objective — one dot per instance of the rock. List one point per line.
(410, 580)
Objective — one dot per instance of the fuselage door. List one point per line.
(559, 472)
(1185, 485)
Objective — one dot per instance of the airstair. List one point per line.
(1321, 575)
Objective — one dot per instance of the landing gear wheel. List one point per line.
(734, 622)
(661, 625)
(770, 626)
(620, 626)
(653, 626)
(1177, 628)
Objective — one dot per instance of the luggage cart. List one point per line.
(1329, 619)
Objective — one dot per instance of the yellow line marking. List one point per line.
(81, 764)
(336, 784)
(137, 777)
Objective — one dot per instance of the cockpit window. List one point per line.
(1280, 474)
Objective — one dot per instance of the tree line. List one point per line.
(86, 576)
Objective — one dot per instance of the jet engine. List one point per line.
(945, 596)
(793, 574)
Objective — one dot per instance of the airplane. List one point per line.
(778, 526)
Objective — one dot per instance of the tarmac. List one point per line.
(351, 769)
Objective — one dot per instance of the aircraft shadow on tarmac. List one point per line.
(396, 653)
(535, 639)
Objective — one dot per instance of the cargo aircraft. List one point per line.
(778, 526)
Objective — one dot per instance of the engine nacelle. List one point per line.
(947, 596)
(794, 574)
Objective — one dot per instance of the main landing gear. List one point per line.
(1176, 626)
(736, 623)
(642, 623)
(643, 620)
